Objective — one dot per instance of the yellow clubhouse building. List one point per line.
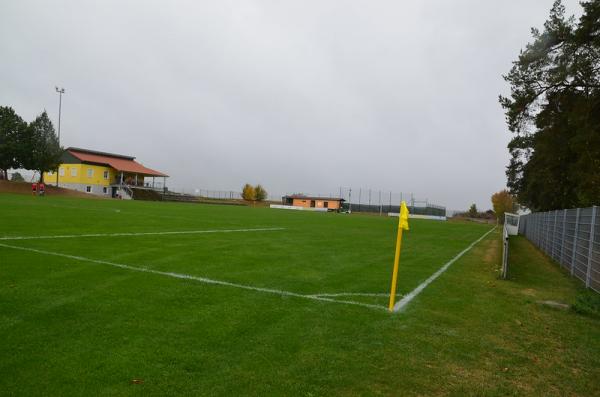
(105, 174)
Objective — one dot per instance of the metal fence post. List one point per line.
(575, 241)
(562, 239)
(539, 227)
(548, 233)
(537, 230)
(554, 235)
(588, 275)
(542, 230)
(359, 195)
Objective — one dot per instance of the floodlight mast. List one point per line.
(60, 91)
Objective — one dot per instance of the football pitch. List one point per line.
(110, 297)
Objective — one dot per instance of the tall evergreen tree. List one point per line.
(45, 151)
(554, 113)
(12, 129)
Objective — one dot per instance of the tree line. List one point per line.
(553, 112)
(33, 146)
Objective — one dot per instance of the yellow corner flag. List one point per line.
(402, 225)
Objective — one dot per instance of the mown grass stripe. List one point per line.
(195, 278)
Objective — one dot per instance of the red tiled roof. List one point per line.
(118, 162)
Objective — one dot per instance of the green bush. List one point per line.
(587, 303)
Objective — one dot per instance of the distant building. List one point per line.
(101, 173)
(300, 200)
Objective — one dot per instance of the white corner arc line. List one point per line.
(195, 278)
(133, 234)
(401, 304)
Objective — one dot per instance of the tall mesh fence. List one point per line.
(380, 201)
(570, 237)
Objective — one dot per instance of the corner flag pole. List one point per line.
(402, 225)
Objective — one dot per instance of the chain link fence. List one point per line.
(570, 237)
(383, 202)
(217, 194)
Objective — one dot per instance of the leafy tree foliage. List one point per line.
(473, 211)
(45, 151)
(12, 128)
(503, 202)
(248, 192)
(260, 193)
(554, 113)
(34, 146)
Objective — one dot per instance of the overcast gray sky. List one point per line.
(301, 96)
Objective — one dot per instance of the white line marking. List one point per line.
(264, 229)
(411, 295)
(195, 278)
(387, 295)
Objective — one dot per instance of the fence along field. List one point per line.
(571, 237)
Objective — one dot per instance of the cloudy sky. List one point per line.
(301, 96)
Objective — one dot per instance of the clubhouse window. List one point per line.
(88, 189)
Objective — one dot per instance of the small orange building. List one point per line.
(300, 200)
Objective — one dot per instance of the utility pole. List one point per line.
(60, 91)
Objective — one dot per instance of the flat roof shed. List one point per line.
(301, 200)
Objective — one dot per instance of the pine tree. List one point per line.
(473, 211)
(554, 113)
(45, 152)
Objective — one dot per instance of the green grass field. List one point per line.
(72, 322)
